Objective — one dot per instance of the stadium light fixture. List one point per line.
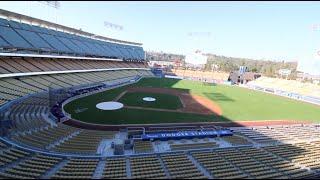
(315, 27)
(113, 26)
(54, 4)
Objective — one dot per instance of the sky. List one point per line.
(287, 31)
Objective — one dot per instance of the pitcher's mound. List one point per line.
(110, 105)
(150, 99)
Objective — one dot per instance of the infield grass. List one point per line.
(236, 103)
(163, 101)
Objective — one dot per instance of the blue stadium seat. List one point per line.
(4, 22)
(3, 43)
(55, 43)
(34, 39)
(13, 38)
(70, 45)
(26, 27)
(27, 37)
(14, 24)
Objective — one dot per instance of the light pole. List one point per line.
(54, 4)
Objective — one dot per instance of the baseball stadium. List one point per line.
(77, 105)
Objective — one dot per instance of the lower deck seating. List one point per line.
(236, 140)
(115, 168)
(303, 154)
(31, 168)
(217, 166)
(179, 166)
(10, 155)
(25, 117)
(77, 168)
(11, 88)
(2, 145)
(87, 141)
(24, 65)
(275, 161)
(143, 147)
(146, 167)
(46, 136)
(176, 147)
(247, 164)
(284, 168)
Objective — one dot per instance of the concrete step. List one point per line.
(63, 139)
(99, 170)
(54, 169)
(199, 166)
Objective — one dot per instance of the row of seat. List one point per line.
(25, 117)
(188, 146)
(34, 167)
(77, 168)
(179, 166)
(263, 135)
(275, 134)
(201, 74)
(115, 168)
(305, 154)
(30, 127)
(293, 86)
(299, 132)
(25, 65)
(146, 167)
(44, 137)
(87, 141)
(9, 155)
(142, 147)
(33, 38)
(248, 162)
(12, 89)
(235, 140)
(217, 166)
(235, 162)
(278, 164)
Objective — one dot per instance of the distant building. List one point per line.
(164, 60)
(242, 78)
(307, 77)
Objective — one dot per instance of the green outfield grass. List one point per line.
(163, 101)
(236, 103)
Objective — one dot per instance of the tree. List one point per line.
(254, 69)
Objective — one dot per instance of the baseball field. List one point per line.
(184, 101)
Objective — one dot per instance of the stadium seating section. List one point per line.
(199, 74)
(30, 38)
(16, 87)
(281, 161)
(26, 65)
(307, 89)
(34, 145)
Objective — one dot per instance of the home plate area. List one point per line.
(110, 105)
